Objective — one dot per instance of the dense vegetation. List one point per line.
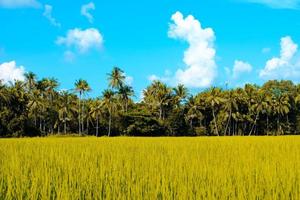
(36, 108)
(150, 168)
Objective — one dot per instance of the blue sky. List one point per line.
(200, 43)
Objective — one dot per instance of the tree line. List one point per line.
(37, 108)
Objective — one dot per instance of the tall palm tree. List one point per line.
(30, 81)
(116, 78)
(108, 101)
(181, 93)
(125, 93)
(35, 105)
(66, 108)
(193, 112)
(82, 87)
(282, 109)
(158, 95)
(51, 85)
(96, 112)
(214, 99)
(257, 104)
(230, 104)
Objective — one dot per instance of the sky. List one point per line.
(199, 43)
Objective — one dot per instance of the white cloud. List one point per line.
(286, 66)
(166, 78)
(240, 67)
(85, 11)
(19, 3)
(279, 4)
(200, 56)
(10, 72)
(82, 40)
(48, 14)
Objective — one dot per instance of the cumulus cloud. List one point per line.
(199, 58)
(48, 14)
(82, 40)
(279, 4)
(285, 66)
(19, 3)
(241, 67)
(10, 72)
(85, 11)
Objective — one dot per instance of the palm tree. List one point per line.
(108, 101)
(193, 112)
(35, 105)
(257, 104)
(181, 92)
(116, 78)
(282, 108)
(81, 86)
(230, 105)
(125, 93)
(51, 84)
(96, 112)
(214, 99)
(158, 95)
(66, 109)
(30, 80)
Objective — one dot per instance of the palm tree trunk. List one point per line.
(229, 119)
(278, 124)
(160, 112)
(267, 124)
(109, 124)
(65, 126)
(82, 117)
(215, 121)
(79, 119)
(97, 126)
(254, 124)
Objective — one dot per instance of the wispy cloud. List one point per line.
(277, 4)
(48, 14)
(19, 3)
(85, 11)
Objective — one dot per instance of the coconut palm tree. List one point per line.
(181, 93)
(229, 106)
(108, 102)
(125, 93)
(82, 87)
(66, 108)
(158, 95)
(30, 81)
(214, 99)
(282, 108)
(116, 78)
(96, 112)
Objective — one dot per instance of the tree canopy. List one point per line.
(37, 108)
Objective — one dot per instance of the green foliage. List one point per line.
(36, 108)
